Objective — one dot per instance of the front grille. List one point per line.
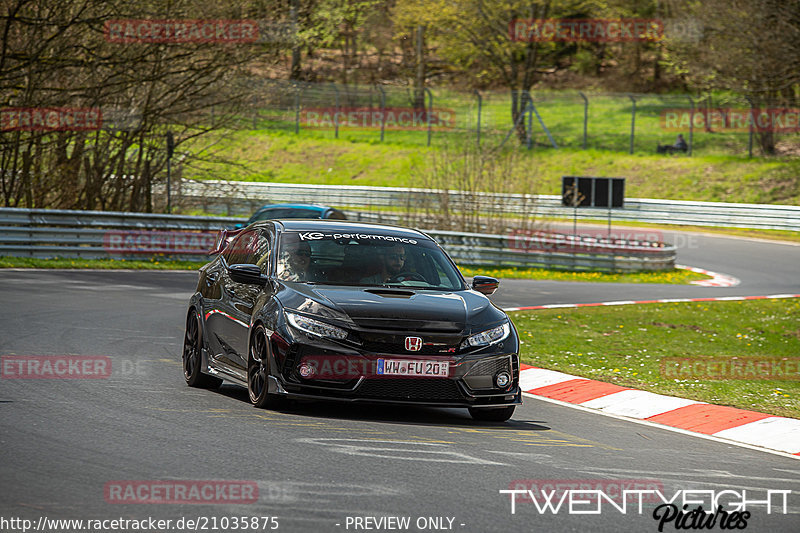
(410, 389)
(490, 367)
(399, 348)
(387, 343)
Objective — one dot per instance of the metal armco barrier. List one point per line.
(95, 234)
(101, 234)
(244, 197)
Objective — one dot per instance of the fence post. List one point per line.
(336, 111)
(532, 108)
(633, 120)
(529, 138)
(383, 109)
(585, 117)
(691, 124)
(428, 114)
(297, 109)
(480, 105)
(752, 119)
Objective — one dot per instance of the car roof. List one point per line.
(311, 207)
(342, 226)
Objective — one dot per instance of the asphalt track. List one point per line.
(316, 464)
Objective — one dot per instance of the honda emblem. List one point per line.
(413, 344)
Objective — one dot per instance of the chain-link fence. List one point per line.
(625, 122)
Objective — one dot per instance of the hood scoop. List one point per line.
(391, 293)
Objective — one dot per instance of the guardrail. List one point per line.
(99, 234)
(244, 197)
(46, 233)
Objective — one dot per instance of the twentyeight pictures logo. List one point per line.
(681, 509)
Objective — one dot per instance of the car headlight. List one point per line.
(315, 327)
(490, 336)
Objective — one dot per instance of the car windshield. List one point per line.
(365, 259)
(285, 212)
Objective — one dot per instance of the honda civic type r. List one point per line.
(349, 311)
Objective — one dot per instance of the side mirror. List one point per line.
(245, 273)
(485, 284)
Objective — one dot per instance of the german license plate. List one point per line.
(403, 367)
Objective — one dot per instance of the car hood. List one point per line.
(397, 309)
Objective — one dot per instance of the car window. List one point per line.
(365, 259)
(250, 247)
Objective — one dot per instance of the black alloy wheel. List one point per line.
(258, 369)
(192, 355)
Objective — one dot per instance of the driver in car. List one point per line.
(295, 263)
(392, 263)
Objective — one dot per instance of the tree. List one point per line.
(749, 48)
(473, 37)
(65, 56)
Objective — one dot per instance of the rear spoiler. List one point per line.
(224, 237)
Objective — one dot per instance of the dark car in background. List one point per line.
(349, 311)
(279, 211)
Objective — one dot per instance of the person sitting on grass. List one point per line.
(679, 146)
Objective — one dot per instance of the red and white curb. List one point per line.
(662, 301)
(728, 423)
(717, 279)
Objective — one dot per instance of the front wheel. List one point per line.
(492, 414)
(192, 356)
(258, 369)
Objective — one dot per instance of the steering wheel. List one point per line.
(406, 276)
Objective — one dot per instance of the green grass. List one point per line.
(102, 264)
(769, 234)
(314, 157)
(673, 277)
(625, 345)
(676, 276)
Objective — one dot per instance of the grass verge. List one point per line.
(675, 276)
(626, 346)
(101, 264)
(271, 155)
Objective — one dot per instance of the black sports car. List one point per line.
(349, 311)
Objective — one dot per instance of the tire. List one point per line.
(192, 355)
(258, 369)
(492, 414)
